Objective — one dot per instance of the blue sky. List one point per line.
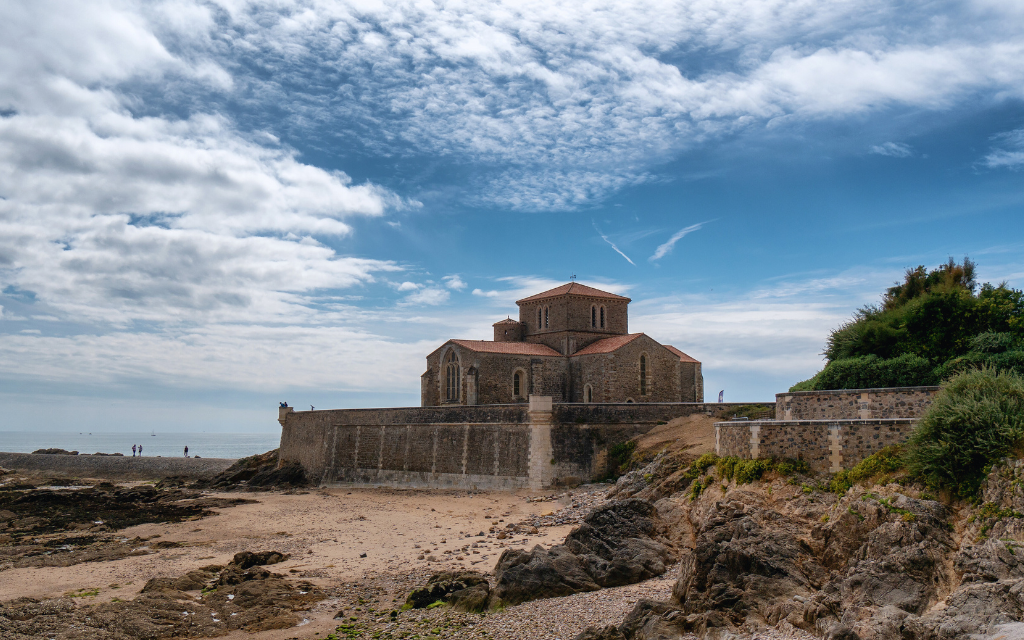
(208, 207)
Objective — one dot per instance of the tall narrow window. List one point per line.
(540, 318)
(546, 317)
(593, 317)
(516, 385)
(588, 394)
(643, 375)
(602, 317)
(451, 377)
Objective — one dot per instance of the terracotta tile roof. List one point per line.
(572, 289)
(507, 321)
(682, 356)
(516, 348)
(608, 344)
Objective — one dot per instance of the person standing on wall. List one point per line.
(186, 451)
(140, 450)
(133, 450)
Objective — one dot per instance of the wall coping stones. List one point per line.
(837, 392)
(796, 423)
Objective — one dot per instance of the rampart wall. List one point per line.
(536, 444)
(854, 404)
(826, 445)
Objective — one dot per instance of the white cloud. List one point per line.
(559, 106)
(1011, 156)
(112, 212)
(408, 286)
(666, 247)
(893, 150)
(486, 294)
(454, 282)
(427, 295)
(612, 245)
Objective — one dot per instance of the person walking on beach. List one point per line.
(133, 450)
(186, 451)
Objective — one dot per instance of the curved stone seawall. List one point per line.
(115, 467)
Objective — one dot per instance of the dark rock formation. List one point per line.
(256, 473)
(615, 545)
(206, 602)
(465, 591)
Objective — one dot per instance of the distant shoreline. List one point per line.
(115, 467)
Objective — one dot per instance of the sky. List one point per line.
(208, 207)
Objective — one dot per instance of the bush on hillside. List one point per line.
(977, 419)
(934, 324)
(872, 372)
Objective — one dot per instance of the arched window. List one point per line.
(643, 375)
(451, 377)
(546, 318)
(517, 385)
(588, 394)
(602, 317)
(593, 317)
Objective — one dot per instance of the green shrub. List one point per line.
(886, 461)
(977, 419)
(619, 457)
(872, 372)
(745, 471)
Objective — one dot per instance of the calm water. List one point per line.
(207, 445)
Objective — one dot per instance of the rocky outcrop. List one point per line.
(878, 564)
(464, 591)
(258, 473)
(616, 544)
(207, 602)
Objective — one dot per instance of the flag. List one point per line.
(721, 394)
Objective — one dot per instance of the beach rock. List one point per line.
(616, 546)
(610, 632)
(462, 588)
(522, 575)
(56, 452)
(246, 559)
(260, 472)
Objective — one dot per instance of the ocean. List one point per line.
(207, 445)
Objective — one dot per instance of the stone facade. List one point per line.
(850, 404)
(537, 444)
(826, 445)
(570, 343)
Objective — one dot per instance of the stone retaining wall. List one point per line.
(854, 404)
(538, 444)
(826, 445)
(115, 467)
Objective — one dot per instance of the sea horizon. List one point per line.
(154, 443)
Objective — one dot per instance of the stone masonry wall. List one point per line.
(850, 404)
(455, 446)
(826, 445)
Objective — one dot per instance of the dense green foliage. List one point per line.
(878, 466)
(932, 325)
(975, 421)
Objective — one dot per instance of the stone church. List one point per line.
(571, 343)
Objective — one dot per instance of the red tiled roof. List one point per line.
(516, 348)
(572, 289)
(682, 356)
(507, 321)
(608, 344)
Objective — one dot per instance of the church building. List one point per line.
(571, 343)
